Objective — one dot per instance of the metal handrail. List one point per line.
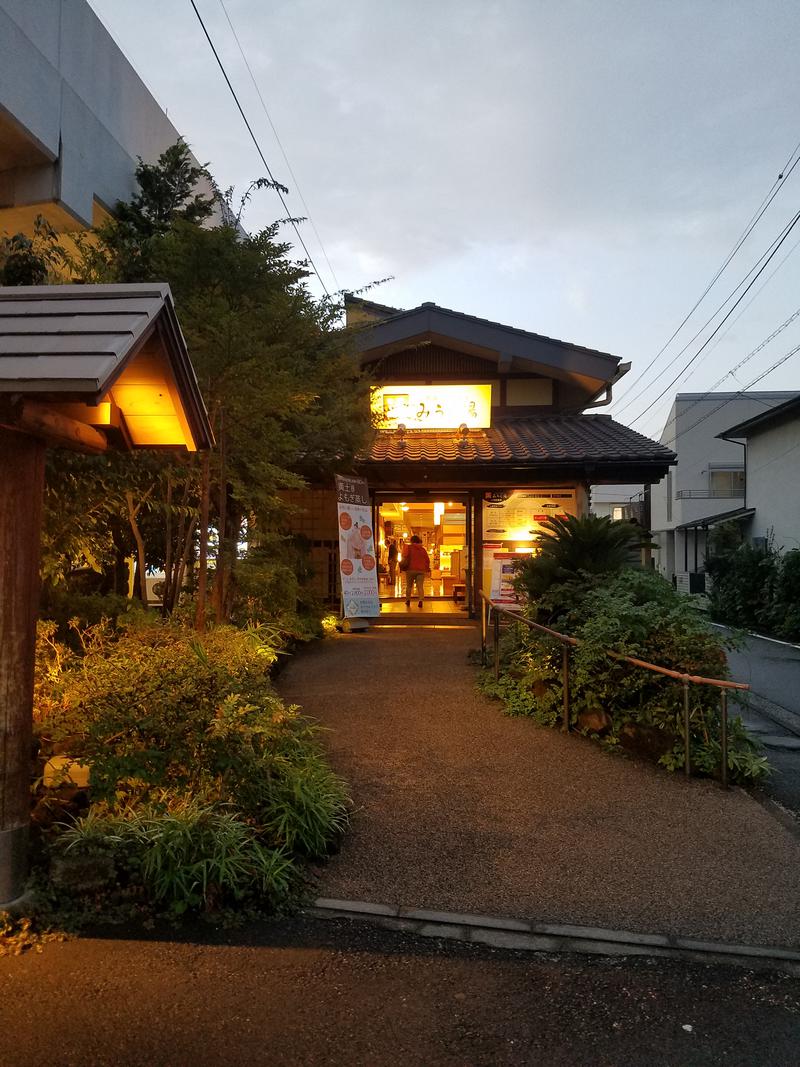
(488, 606)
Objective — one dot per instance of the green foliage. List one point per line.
(752, 587)
(570, 546)
(187, 855)
(34, 260)
(634, 613)
(203, 782)
(279, 377)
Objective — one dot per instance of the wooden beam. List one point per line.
(22, 479)
(56, 429)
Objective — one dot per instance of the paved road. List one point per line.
(772, 711)
(300, 993)
(460, 808)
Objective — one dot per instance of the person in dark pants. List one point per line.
(392, 561)
(416, 565)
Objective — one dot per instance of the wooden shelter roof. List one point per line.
(118, 347)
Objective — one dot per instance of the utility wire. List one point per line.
(753, 298)
(278, 140)
(767, 340)
(742, 392)
(760, 262)
(275, 184)
(787, 230)
(781, 180)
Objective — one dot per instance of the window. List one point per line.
(618, 514)
(726, 483)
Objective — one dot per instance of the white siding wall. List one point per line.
(773, 484)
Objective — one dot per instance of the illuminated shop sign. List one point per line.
(432, 407)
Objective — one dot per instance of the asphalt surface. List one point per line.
(460, 808)
(772, 710)
(300, 992)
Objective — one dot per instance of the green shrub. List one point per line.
(754, 588)
(191, 752)
(570, 546)
(188, 855)
(635, 613)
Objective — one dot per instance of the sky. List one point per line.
(580, 169)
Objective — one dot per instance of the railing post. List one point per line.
(724, 736)
(484, 613)
(687, 765)
(496, 622)
(565, 684)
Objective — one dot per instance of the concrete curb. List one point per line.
(528, 936)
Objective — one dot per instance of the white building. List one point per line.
(618, 502)
(708, 484)
(74, 115)
(771, 455)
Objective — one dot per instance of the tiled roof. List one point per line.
(72, 338)
(533, 440)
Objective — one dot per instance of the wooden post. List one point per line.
(22, 481)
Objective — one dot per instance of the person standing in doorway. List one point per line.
(416, 565)
(392, 561)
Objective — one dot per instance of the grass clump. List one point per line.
(206, 792)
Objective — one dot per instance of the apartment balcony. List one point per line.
(710, 494)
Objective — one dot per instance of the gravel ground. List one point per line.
(460, 808)
(329, 993)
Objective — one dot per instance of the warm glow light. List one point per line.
(432, 407)
(404, 507)
(438, 512)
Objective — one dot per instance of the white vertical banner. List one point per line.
(357, 561)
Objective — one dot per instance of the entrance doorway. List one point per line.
(442, 527)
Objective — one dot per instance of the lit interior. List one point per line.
(441, 526)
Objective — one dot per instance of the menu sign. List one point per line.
(517, 514)
(357, 564)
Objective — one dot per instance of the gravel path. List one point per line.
(463, 809)
(323, 994)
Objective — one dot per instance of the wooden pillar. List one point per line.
(22, 483)
(477, 550)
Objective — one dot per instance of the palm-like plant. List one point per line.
(570, 545)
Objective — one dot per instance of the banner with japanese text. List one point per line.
(357, 561)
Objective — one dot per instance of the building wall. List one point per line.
(74, 115)
(685, 494)
(313, 517)
(773, 456)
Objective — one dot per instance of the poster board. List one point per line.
(501, 589)
(357, 561)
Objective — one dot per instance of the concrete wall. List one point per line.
(773, 485)
(74, 115)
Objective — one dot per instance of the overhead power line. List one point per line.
(743, 392)
(787, 230)
(275, 184)
(761, 262)
(779, 182)
(280, 145)
(750, 355)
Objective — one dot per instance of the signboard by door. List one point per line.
(503, 570)
(357, 561)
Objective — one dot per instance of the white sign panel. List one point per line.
(432, 407)
(357, 563)
(518, 514)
